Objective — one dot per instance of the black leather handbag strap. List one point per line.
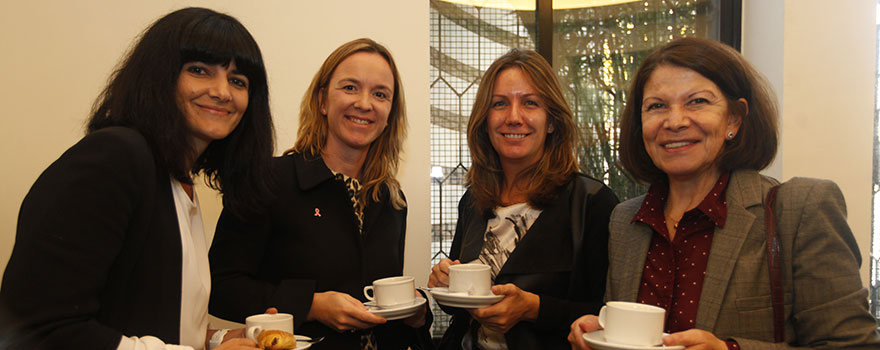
(775, 265)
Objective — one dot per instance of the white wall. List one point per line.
(821, 58)
(57, 56)
(763, 35)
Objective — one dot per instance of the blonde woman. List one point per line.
(338, 220)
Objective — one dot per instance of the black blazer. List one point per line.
(563, 258)
(97, 250)
(307, 242)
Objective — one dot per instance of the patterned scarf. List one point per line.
(354, 190)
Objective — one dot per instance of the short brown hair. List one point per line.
(753, 147)
(558, 161)
(380, 168)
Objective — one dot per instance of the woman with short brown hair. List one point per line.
(699, 124)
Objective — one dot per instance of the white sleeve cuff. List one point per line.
(217, 338)
(147, 343)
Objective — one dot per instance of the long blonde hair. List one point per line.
(383, 157)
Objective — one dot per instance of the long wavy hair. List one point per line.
(141, 95)
(558, 162)
(383, 157)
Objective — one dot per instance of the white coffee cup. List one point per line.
(264, 322)
(392, 291)
(632, 323)
(474, 279)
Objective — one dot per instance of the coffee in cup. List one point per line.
(264, 322)
(473, 279)
(391, 291)
(632, 323)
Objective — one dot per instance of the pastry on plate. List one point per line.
(276, 340)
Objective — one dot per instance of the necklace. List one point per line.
(670, 218)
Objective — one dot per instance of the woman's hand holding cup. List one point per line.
(624, 323)
(584, 324)
(342, 312)
(440, 273)
(517, 305)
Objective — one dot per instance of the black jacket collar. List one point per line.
(310, 170)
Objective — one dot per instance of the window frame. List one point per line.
(729, 26)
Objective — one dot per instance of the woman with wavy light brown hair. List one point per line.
(338, 221)
(541, 226)
(381, 160)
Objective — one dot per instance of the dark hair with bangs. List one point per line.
(141, 95)
(754, 145)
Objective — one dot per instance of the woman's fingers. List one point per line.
(342, 312)
(440, 273)
(579, 327)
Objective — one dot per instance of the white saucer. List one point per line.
(302, 342)
(396, 312)
(462, 299)
(597, 341)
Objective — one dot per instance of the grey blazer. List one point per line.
(825, 302)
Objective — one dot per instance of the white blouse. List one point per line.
(195, 284)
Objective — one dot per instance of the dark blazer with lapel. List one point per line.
(97, 250)
(562, 258)
(825, 303)
(307, 242)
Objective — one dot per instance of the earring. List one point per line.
(324, 111)
(730, 135)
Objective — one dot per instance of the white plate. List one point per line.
(396, 312)
(462, 299)
(302, 342)
(596, 339)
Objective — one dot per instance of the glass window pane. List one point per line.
(596, 49)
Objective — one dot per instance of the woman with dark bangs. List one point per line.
(110, 251)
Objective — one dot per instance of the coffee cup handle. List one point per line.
(367, 294)
(252, 332)
(602, 317)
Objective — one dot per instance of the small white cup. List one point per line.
(392, 291)
(263, 322)
(632, 323)
(473, 279)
